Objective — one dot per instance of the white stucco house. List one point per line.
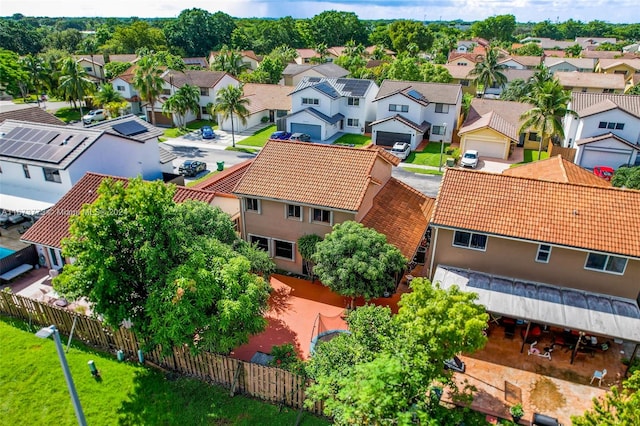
(267, 102)
(323, 107)
(410, 111)
(606, 131)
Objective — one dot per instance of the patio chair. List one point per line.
(599, 375)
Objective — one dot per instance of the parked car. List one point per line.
(207, 132)
(470, 159)
(302, 137)
(280, 135)
(604, 172)
(93, 115)
(191, 168)
(401, 150)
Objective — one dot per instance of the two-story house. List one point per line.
(569, 64)
(606, 131)
(628, 68)
(555, 253)
(293, 74)
(93, 65)
(294, 188)
(323, 107)
(410, 111)
(592, 82)
(39, 163)
(266, 102)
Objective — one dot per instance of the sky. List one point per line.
(613, 11)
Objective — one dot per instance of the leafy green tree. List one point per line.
(89, 46)
(114, 69)
(333, 28)
(573, 51)
(230, 102)
(137, 260)
(13, 76)
(628, 177)
(571, 29)
(352, 59)
(284, 53)
(404, 33)
(546, 29)
(435, 73)
(516, 91)
(137, 35)
(110, 99)
(499, 28)
(269, 71)
(266, 35)
(489, 71)
(635, 90)
(379, 36)
(186, 99)
(323, 53)
(34, 66)
(52, 61)
(148, 81)
(529, 49)
(229, 61)
(75, 82)
(356, 261)
(307, 248)
(618, 407)
(196, 32)
(67, 40)
(405, 67)
(20, 37)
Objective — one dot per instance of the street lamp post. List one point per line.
(444, 135)
(45, 333)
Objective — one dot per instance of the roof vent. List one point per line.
(576, 213)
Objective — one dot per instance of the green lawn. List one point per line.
(423, 171)
(430, 156)
(68, 114)
(259, 138)
(207, 176)
(531, 155)
(34, 392)
(175, 132)
(355, 140)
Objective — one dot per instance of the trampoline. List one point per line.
(326, 328)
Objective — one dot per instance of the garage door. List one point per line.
(592, 158)
(312, 130)
(486, 149)
(389, 138)
(162, 120)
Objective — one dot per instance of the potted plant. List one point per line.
(516, 412)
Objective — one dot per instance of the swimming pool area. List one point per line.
(4, 252)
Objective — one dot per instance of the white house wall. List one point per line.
(324, 103)
(13, 176)
(608, 152)
(395, 126)
(589, 126)
(252, 120)
(414, 114)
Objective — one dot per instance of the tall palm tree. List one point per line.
(148, 81)
(186, 99)
(488, 71)
(35, 67)
(229, 61)
(230, 102)
(549, 102)
(109, 98)
(323, 53)
(75, 83)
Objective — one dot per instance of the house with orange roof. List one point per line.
(266, 102)
(606, 130)
(48, 232)
(292, 189)
(521, 62)
(247, 57)
(557, 253)
(460, 75)
(592, 82)
(620, 66)
(557, 169)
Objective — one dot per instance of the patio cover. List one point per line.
(548, 304)
(24, 205)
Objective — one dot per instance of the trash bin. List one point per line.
(451, 162)
(220, 165)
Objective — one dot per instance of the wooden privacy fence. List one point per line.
(259, 381)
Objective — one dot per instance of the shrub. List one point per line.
(264, 119)
(286, 357)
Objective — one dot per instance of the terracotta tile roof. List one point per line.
(474, 57)
(586, 104)
(513, 74)
(328, 69)
(595, 80)
(459, 71)
(53, 227)
(557, 169)
(402, 214)
(198, 78)
(432, 92)
(501, 116)
(225, 181)
(32, 114)
(267, 96)
(582, 216)
(308, 173)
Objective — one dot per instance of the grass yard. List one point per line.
(68, 114)
(33, 390)
(355, 140)
(430, 156)
(531, 155)
(175, 132)
(197, 181)
(259, 138)
(422, 171)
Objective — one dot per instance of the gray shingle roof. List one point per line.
(586, 104)
(433, 92)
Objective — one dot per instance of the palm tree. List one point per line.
(186, 99)
(488, 71)
(230, 101)
(108, 98)
(74, 82)
(549, 102)
(323, 52)
(229, 61)
(34, 66)
(148, 81)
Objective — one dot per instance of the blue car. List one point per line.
(207, 132)
(280, 135)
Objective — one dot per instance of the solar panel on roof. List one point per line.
(415, 95)
(130, 128)
(314, 79)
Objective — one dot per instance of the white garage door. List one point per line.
(590, 159)
(486, 149)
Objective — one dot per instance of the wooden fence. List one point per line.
(266, 383)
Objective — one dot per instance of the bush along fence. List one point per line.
(267, 383)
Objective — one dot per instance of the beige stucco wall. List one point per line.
(486, 135)
(512, 258)
(381, 172)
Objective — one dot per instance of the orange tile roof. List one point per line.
(225, 181)
(402, 214)
(321, 175)
(51, 228)
(582, 216)
(557, 169)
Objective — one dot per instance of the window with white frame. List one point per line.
(470, 240)
(544, 253)
(204, 110)
(88, 69)
(353, 122)
(398, 108)
(120, 88)
(442, 108)
(261, 242)
(166, 92)
(293, 212)
(51, 175)
(252, 205)
(310, 101)
(610, 125)
(438, 130)
(283, 249)
(321, 216)
(606, 263)
(204, 91)
(353, 101)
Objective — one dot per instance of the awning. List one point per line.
(548, 304)
(26, 201)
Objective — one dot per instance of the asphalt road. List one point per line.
(427, 184)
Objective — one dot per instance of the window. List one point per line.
(262, 242)
(464, 83)
(544, 252)
(25, 169)
(398, 108)
(310, 101)
(88, 69)
(438, 130)
(54, 258)
(51, 175)
(320, 215)
(283, 249)
(606, 263)
(120, 88)
(533, 136)
(610, 125)
(204, 110)
(353, 101)
(442, 108)
(252, 205)
(470, 240)
(204, 91)
(294, 212)
(353, 122)
(166, 92)
(608, 91)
